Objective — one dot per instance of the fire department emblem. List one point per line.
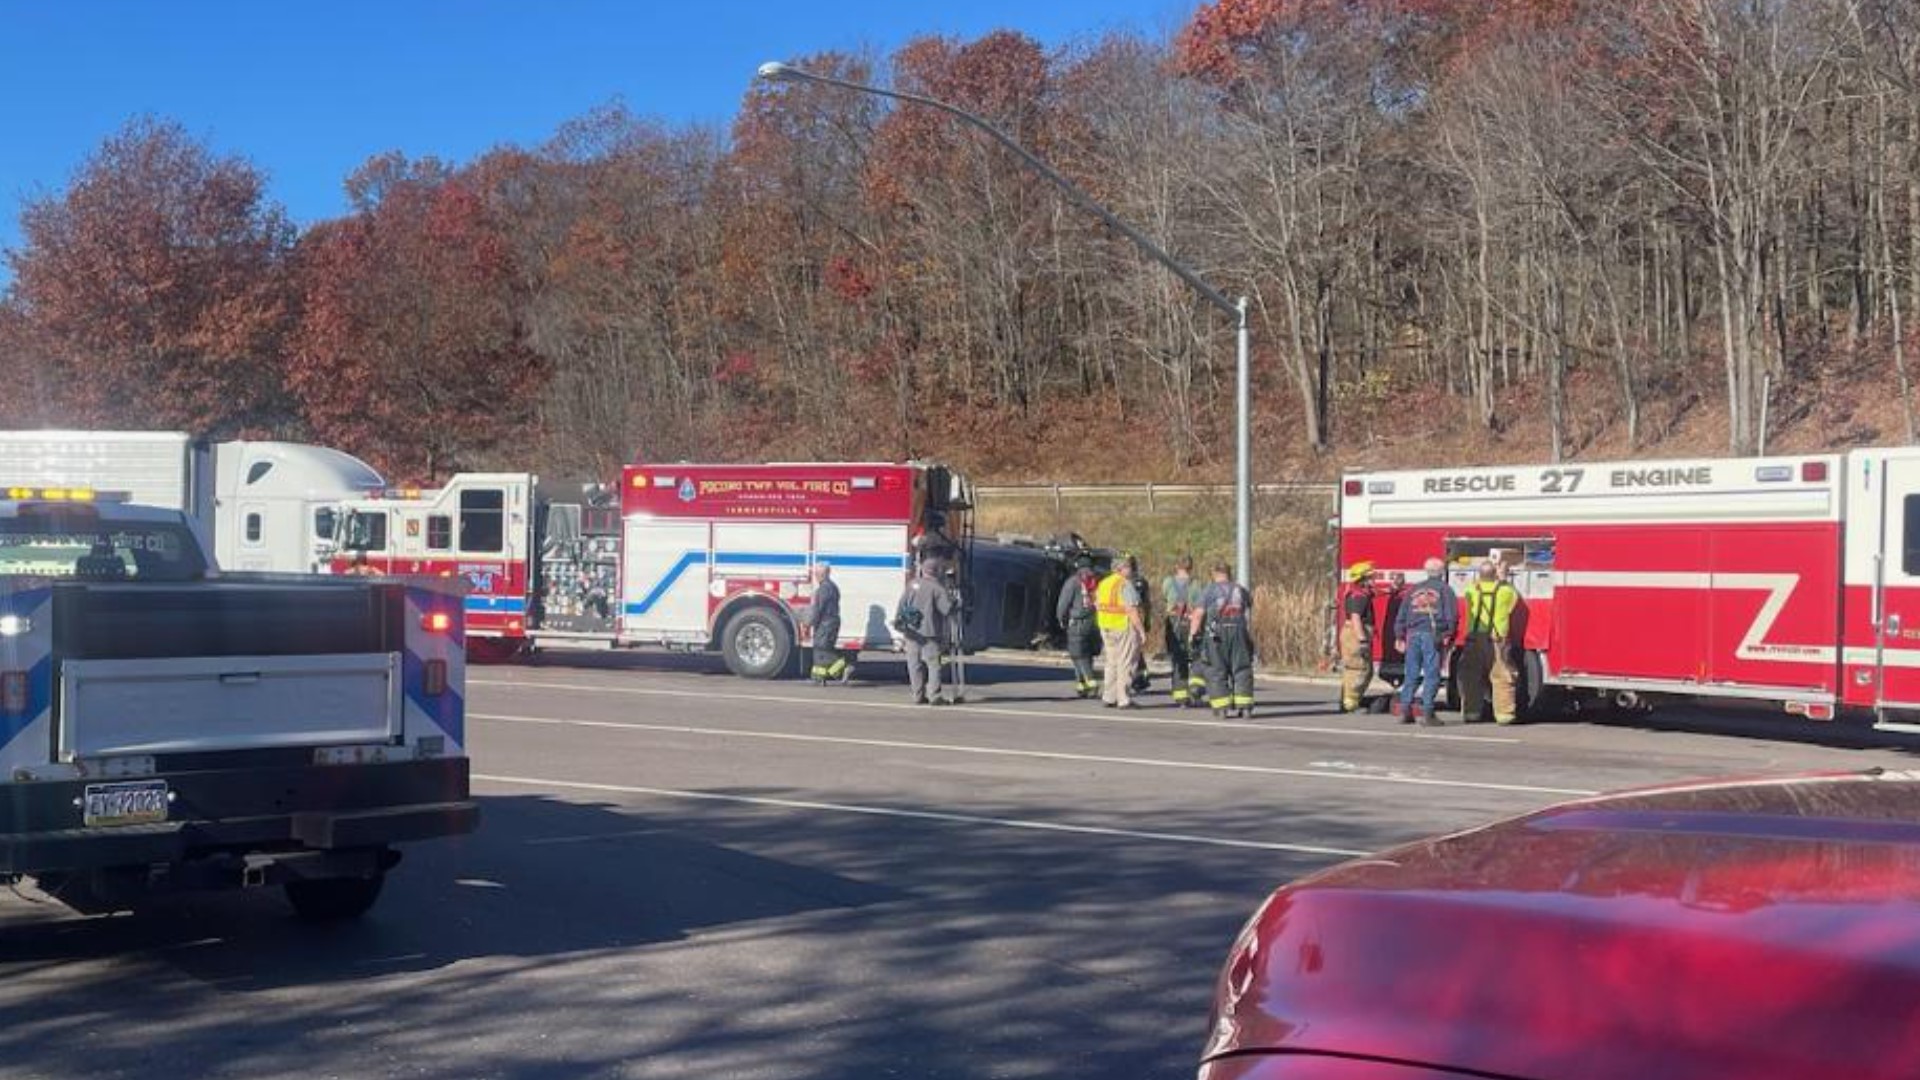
(687, 490)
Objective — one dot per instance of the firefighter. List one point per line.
(1197, 653)
(1122, 633)
(358, 566)
(921, 619)
(1356, 636)
(1075, 610)
(1225, 607)
(1485, 665)
(830, 664)
(1428, 615)
(1182, 594)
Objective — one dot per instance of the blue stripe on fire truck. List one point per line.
(497, 605)
(691, 559)
(866, 562)
(674, 572)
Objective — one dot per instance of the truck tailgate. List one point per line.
(190, 704)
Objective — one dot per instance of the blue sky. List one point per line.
(308, 90)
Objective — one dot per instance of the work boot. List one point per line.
(939, 701)
(1432, 721)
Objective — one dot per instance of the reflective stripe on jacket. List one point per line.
(1112, 613)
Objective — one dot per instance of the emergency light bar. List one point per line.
(63, 494)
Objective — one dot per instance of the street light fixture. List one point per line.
(774, 71)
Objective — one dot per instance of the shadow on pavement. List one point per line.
(528, 885)
(679, 939)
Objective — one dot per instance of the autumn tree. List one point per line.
(155, 290)
(1309, 94)
(411, 351)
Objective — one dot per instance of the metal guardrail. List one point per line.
(1059, 494)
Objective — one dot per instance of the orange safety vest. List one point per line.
(1109, 612)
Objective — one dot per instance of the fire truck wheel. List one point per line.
(493, 650)
(758, 644)
(1536, 699)
(334, 899)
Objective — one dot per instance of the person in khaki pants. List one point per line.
(1356, 636)
(1122, 633)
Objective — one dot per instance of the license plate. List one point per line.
(137, 802)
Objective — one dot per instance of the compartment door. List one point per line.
(870, 564)
(1896, 607)
(663, 580)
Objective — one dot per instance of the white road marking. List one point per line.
(888, 811)
(1102, 717)
(1046, 755)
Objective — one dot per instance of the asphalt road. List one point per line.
(683, 874)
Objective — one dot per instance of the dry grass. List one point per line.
(1291, 555)
(1290, 627)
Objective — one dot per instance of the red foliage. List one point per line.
(154, 289)
(847, 280)
(409, 350)
(1224, 37)
(1003, 77)
(738, 369)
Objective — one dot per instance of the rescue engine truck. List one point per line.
(266, 505)
(1792, 580)
(164, 726)
(687, 556)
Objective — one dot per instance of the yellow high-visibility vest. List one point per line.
(1109, 612)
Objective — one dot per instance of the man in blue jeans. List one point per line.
(1429, 612)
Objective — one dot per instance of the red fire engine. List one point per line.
(686, 556)
(1792, 580)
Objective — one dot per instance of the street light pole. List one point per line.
(1243, 443)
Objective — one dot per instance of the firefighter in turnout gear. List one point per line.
(1182, 595)
(1356, 636)
(1487, 663)
(1075, 610)
(1197, 655)
(1122, 634)
(830, 664)
(1225, 607)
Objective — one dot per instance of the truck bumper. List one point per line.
(284, 817)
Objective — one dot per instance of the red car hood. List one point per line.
(1755, 929)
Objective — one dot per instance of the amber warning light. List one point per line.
(24, 494)
(437, 622)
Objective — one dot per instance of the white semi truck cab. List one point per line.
(165, 726)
